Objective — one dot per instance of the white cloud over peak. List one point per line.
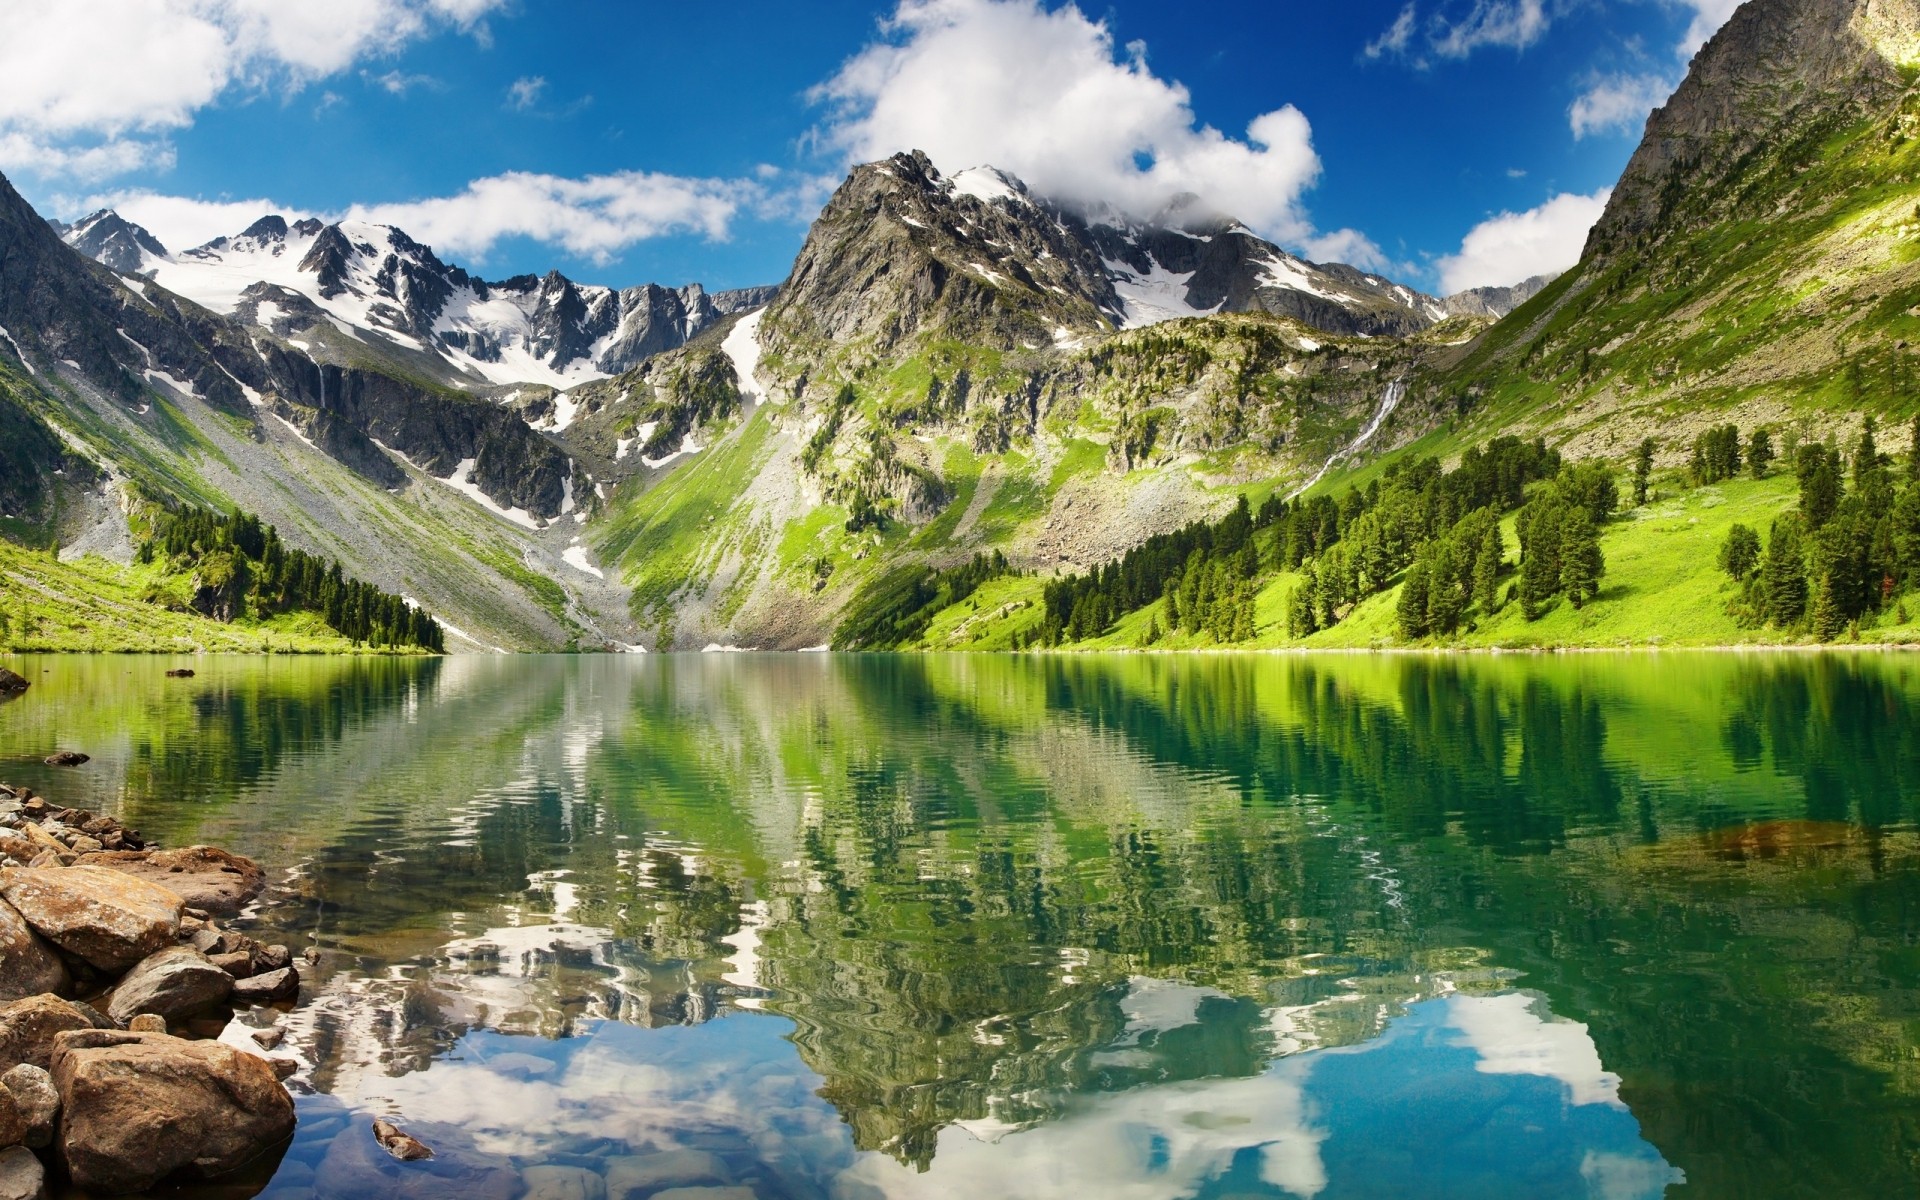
(1617, 103)
(1708, 17)
(94, 86)
(1509, 247)
(1043, 93)
(595, 217)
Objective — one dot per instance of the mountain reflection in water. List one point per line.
(1129, 926)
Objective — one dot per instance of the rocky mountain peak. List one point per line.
(110, 238)
(1776, 73)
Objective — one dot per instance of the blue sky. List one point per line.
(1447, 141)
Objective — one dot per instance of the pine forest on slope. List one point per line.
(974, 418)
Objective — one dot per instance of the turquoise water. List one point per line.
(1140, 926)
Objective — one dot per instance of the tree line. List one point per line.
(239, 565)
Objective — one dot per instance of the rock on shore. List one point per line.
(141, 1107)
(88, 910)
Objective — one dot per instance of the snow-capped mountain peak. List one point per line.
(374, 281)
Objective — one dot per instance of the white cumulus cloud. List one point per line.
(1708, 17)
(92, 87)
(1617, 104)
(1046, 94)
(1509, 247)
(593, 217)
(525, 92)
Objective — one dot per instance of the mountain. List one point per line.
(115, 391)
(1755, 264)
(967, 404)
(381, 287)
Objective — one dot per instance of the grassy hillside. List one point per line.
(94, 605)
(1662, 586)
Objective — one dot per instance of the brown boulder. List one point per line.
(204, 877)
(11, 685)
(269, 988)
(28, 1027)
(142, 1107)
(38, 1104)
(67, 758)
(107, 918)
(177, 984)
(28, 966)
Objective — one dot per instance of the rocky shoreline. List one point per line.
(116, 983)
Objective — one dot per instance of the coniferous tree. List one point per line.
(1581, 562)
(1642, 471)
(1740, 553)
(1411, 610)
(1866, 456)
(1759, 453)
(1913, 451)
(1486, 569)
(1784, 573)
(1818, 469)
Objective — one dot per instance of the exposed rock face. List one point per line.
(109, 238)
(1777, 72)
(176, 984)
(106, 918)
(202, 876)
(141, 1107)
(28, 1028)
(1494, 301)
(28, 965)
(898, 252)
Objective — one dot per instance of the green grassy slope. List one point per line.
(94, 605)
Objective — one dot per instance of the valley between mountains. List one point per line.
(972, 417)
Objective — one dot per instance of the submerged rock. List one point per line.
(106, 918)
(356, 1165)
(176, 984)
(28, 965)
(640, 1175)
(67, 758)
(204, 877)
(142, 1107)
(399, 1143)
(12, 685)
(563, 1183)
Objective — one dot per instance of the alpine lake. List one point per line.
(1132, 926)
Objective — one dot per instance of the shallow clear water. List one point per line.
(1342, 926)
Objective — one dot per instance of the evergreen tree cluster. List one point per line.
(240, 565)
(1849, 549)
(1560, 538)
(1434, 524)
(1204, 572)
(896, 611)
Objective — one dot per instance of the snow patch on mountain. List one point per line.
(742, 348)
(1159, 295)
